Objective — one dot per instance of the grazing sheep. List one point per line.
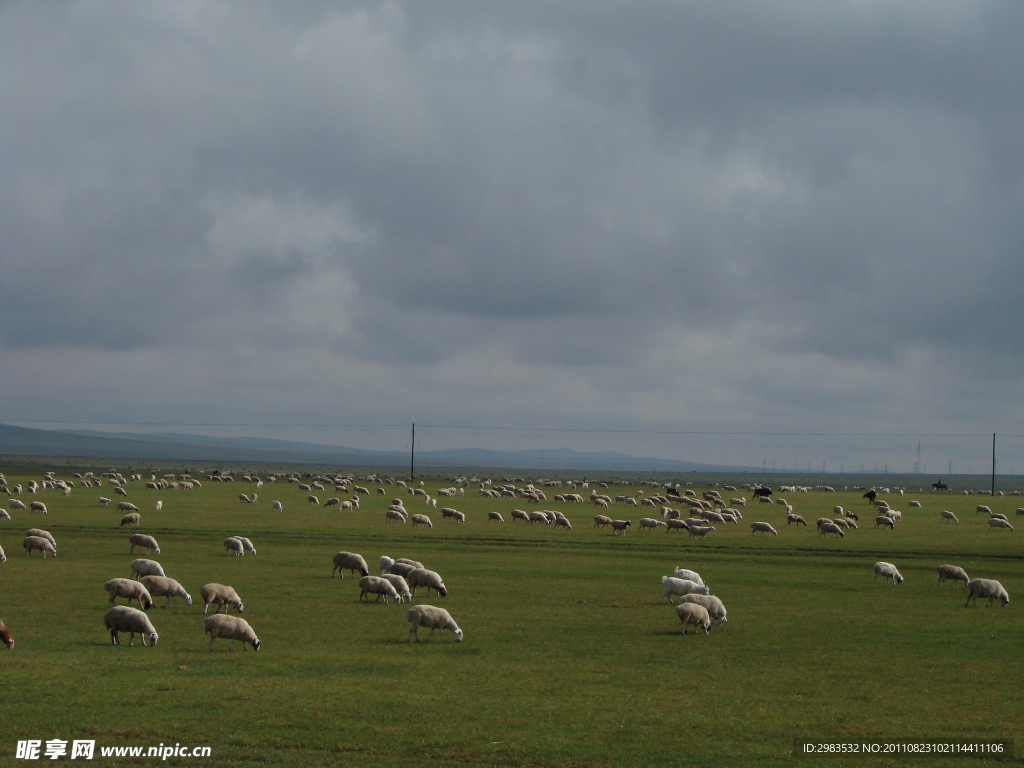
(1020, 511)
(126, 506)
(16, 504)
(36, 506)
(830, 528)
(677, 524)
(403, 569)
(3, 557)
(104, 501)
(38, 543)
(619, 526)
(401, 586)
(221, 596)
(421, 520)
(791, 518)
(649, 523)
(144, 567)
(421, 577)
(131, 590)
(562, 522)
(885, 522)
(837, 511)
(232, 546)
(762, 527)
(713, 605)
(916, 505)
(692, 614)
(42, 534)
(407, 561)
(230, 628)
(700, 531)
(1000, 516)
(132, 518)
(889, 571)
(671, 585)
(5, 635)
(495, 516)
(159, 506)
(277, 506)
(246, 545)
(433, 617)
(989, 588)
(313, 500)
(602, 520)
(161, 586)
(379, 586)
(394, 515)
(122, 618)
(683, 573)
(982, 508)
(350, 561)
(519, 514)
(954, 572)
(142, 540)
(995, 522)
(949, 516)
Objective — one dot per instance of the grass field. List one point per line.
(569, 659)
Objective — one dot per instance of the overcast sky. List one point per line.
(740, 217)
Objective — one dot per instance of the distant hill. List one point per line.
(22, 441)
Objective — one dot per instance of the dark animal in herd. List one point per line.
(762, 490)
(940, 486)
(870, 496)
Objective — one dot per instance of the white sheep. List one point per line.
(683, 573)
(402, 569)
(700, 531)
(670, 586)
(277, 506)
(222, 596)
(563, 522)
(762, 527)
(519, 514)
(122, 618)
(3, 557)
(713, 605)
(162, 586)
(982, 508)
(126, 506)
(916, 505)
(104, 501)
(313, 500)
(495, 516)
(421, 520)
(386, 563)
(407, 561)
(36, 506)
(421, 577)
(400, 585)
(349, 561)
(246, 545)
(230, 628)
(888, 570)
(232, 546)
(130, 590)
(142, 540)
(433, 617)
(159, 505)
(132, 518)
(144, 567)
(649, 523)
(830, 528)
(885, 522)
(995, 522)
(954, 572)
(42, 534)
(692, 614)
(16, 504)
(32, 543)
(394, 515)
(989, 588)
(379, 586)
(949, 516)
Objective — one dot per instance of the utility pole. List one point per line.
(412, 454)
(993, 464)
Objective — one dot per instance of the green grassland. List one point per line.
(569, 658)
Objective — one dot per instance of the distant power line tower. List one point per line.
(917, 464)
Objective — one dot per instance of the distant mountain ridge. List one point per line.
(24, 441)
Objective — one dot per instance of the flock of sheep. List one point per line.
(399, 578)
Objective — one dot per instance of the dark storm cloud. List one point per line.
(777, 210)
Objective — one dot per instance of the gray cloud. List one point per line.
(734, 216)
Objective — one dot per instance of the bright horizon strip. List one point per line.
(513, 429)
